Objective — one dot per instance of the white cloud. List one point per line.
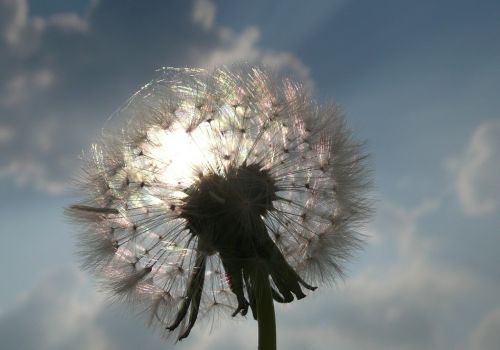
(7, 134)
(68, 22)
(476, 171)
(22, 33)
(31, 173)
(36, 162)
(243, 48)
(31, 158)
(60, 312)
(236, 48)
(394, 224)
(407, 305)
(487, 336)
(415, 302)
(55, 314)
(404, 299)
(25, 85)
(45, 134)
(40, 167)
(13, 19)
(204, 13)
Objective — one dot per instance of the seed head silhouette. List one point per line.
(222, 192)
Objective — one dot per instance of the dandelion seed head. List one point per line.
(208, 174)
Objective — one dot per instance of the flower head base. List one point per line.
(213, 176)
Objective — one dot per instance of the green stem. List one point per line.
(265, 310)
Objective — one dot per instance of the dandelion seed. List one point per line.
(223, 192)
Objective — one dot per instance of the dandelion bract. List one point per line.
(210, 176)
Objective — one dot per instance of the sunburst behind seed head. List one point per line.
(212, 172)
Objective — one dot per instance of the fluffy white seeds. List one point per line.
(211, 173)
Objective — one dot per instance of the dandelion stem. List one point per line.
(265, 310)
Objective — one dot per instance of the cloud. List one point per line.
(22, 33)
(68, 22)
(13, 19)
(29, 158)
(55, 314)
(7, 134)
(476, 171)
(60, 312)
(204, 13)
(403, 299)
(398, 226)
(31, 173)
(62, 75)
(415, 302)
(243, 48)
(486, 335)
(23, 85)
(401, 305)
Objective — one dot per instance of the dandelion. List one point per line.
(223, 192)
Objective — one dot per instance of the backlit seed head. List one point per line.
(211, 173)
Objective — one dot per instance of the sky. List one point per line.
(417, 80)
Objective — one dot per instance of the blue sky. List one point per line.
(417, 80)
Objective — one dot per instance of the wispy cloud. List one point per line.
(23, 34)
(486, 335)
(204, 13)
(22, 86)
(55, 314)
(244, 48)
(476, 171)
(7, 134)
(32, 173)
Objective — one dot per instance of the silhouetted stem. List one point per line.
(265, 311)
